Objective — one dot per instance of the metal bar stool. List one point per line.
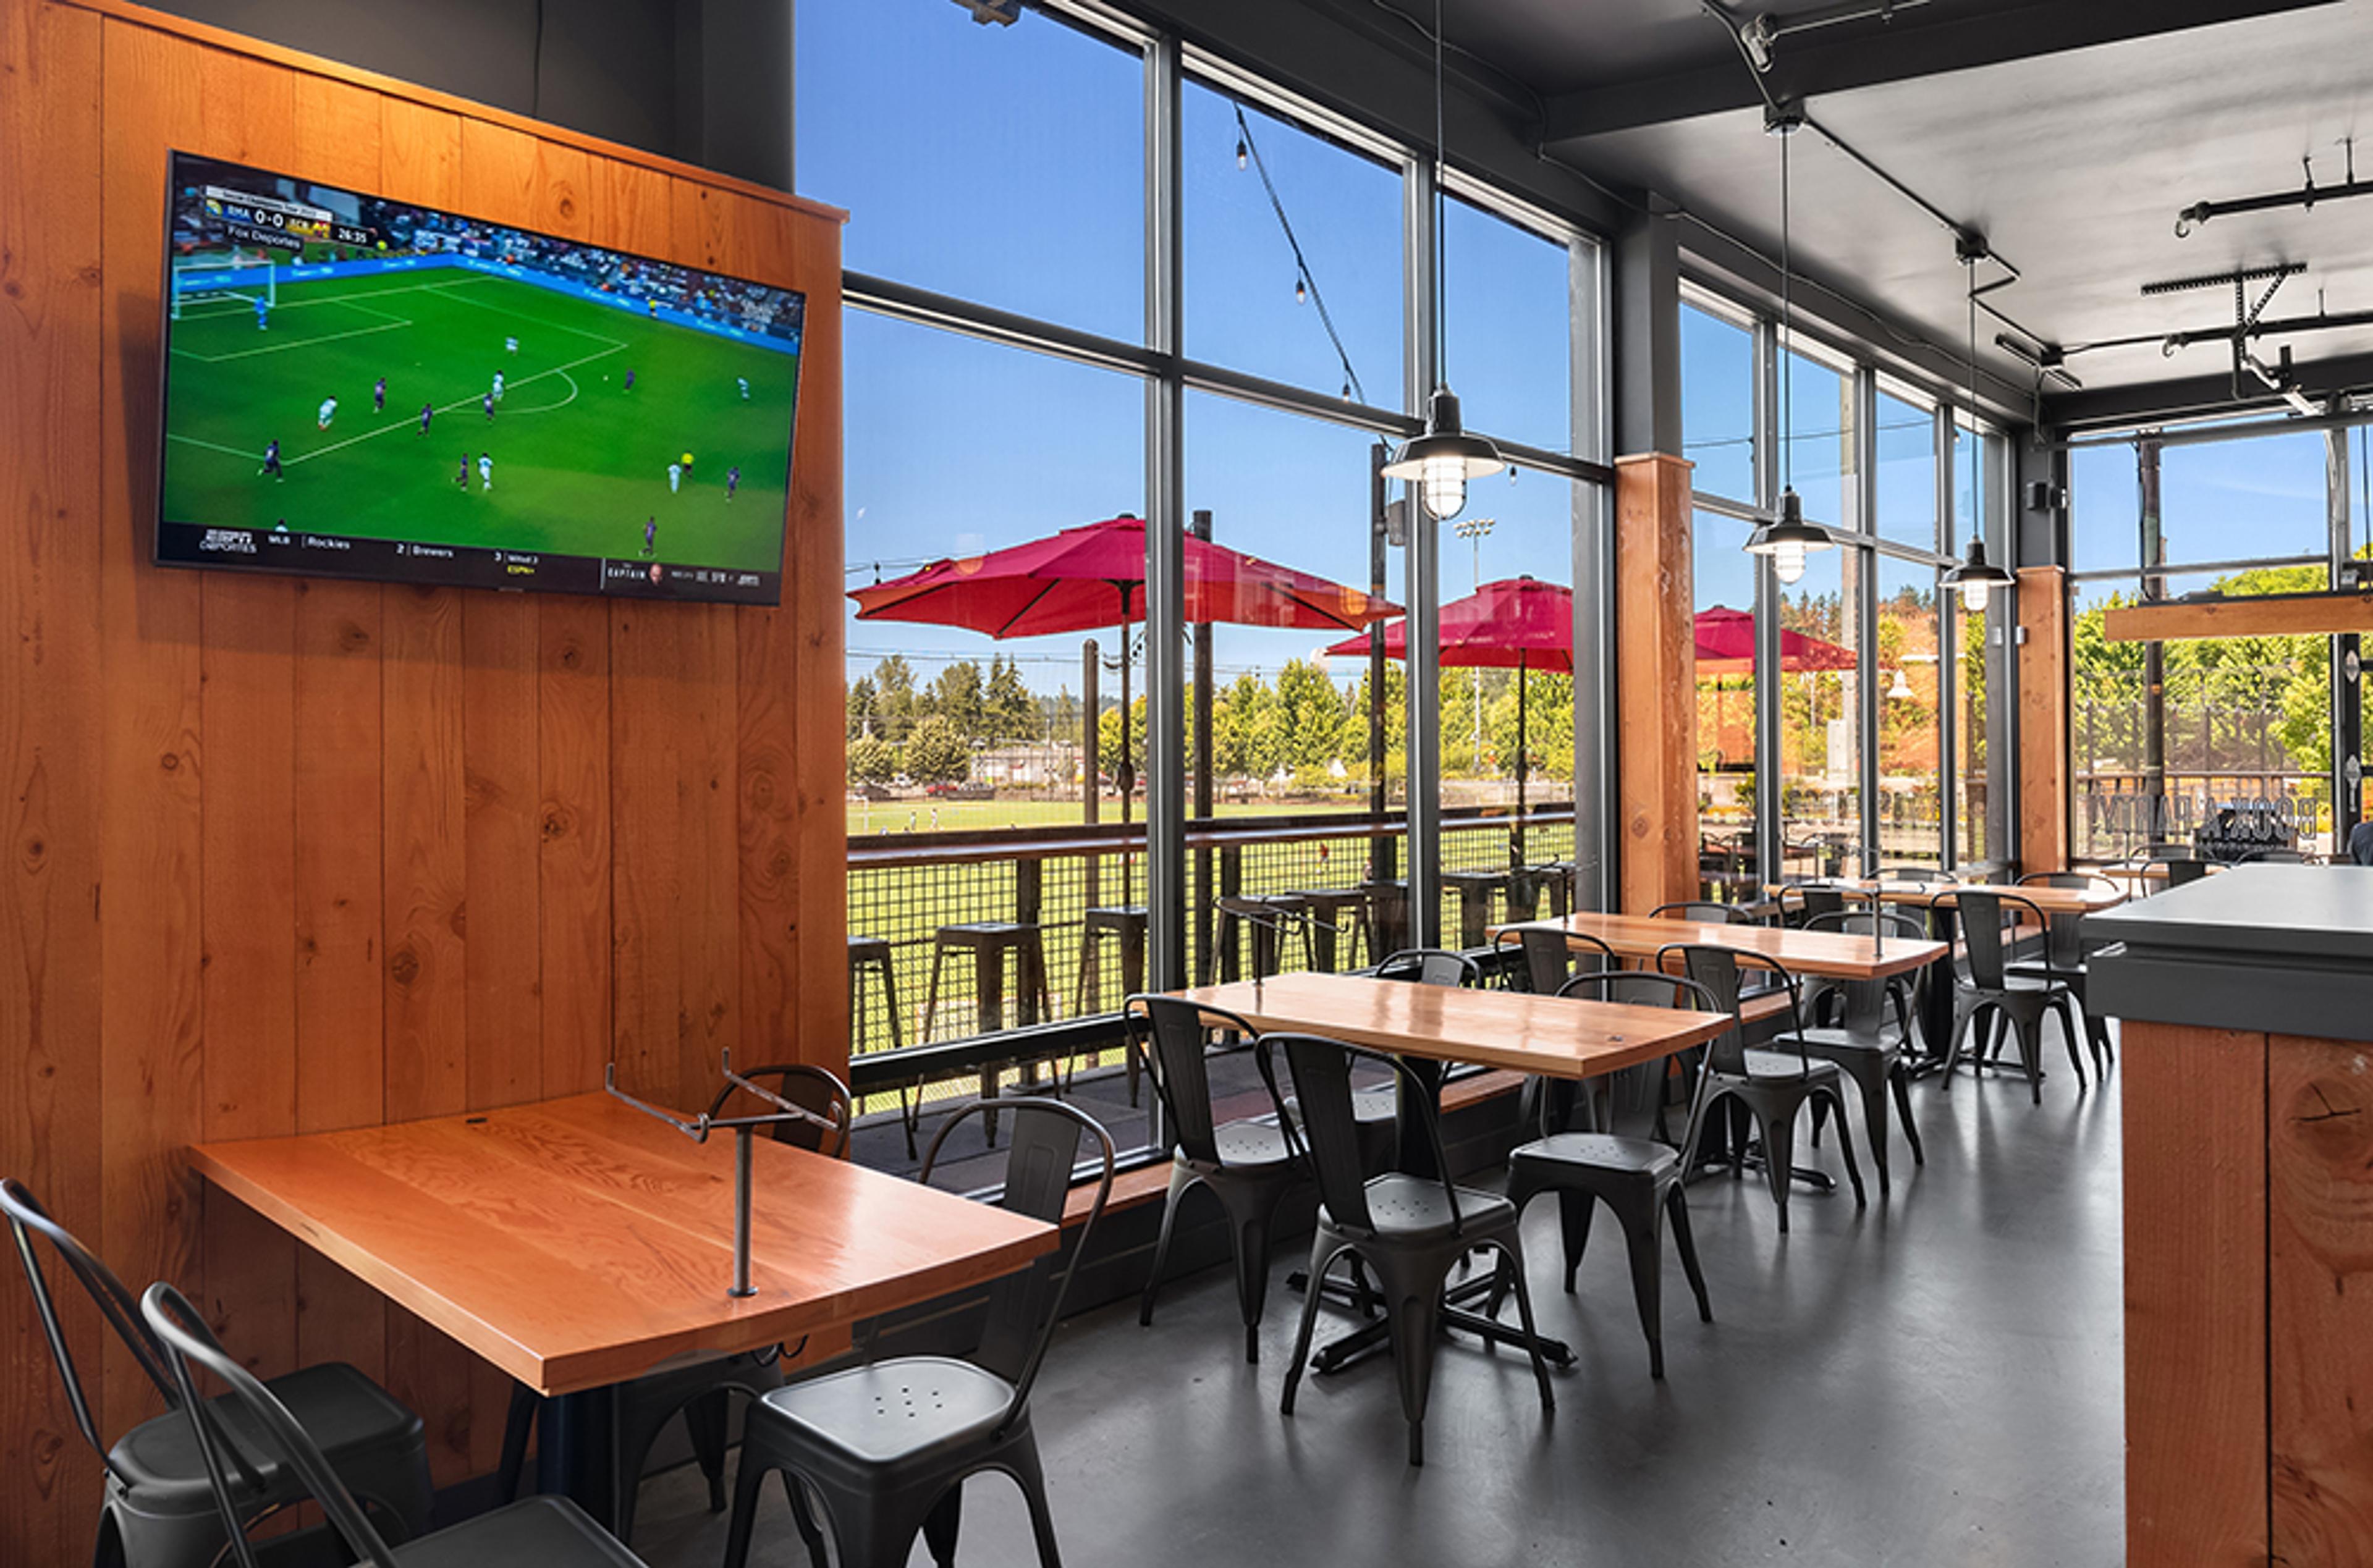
(1476, 890)
(1265, 913)
(989, 942)
(1125, 922)
(1339, 913)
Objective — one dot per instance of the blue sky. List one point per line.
(1005, 165)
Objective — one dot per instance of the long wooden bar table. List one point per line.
(576, 1243)
(1558, 1036)
(1833, 954)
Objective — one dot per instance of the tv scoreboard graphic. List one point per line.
(278, 224)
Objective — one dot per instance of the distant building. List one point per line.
(1037, 764)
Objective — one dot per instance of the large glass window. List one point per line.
(1293, 252)
(1820, 743)
(1906, 666)
(1507, 320)
(1724, 597)
(1004, 166)
(1718, 403)
(1907, 473)
(1819, 459)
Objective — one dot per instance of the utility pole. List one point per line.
(1475, 531)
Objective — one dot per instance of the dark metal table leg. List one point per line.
(572, 1453)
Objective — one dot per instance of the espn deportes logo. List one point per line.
(237, 542)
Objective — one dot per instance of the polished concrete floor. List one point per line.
(1937, 1380)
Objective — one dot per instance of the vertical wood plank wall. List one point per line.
(290, 856)
(2043, 808)
(1655, 664)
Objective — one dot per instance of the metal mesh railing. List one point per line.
(960, 935)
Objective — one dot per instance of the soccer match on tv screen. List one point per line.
(362, 388)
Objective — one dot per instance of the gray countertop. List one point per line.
(2282, 949)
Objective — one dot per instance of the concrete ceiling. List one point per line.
(2069, 136)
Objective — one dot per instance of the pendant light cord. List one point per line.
(1440, 168)
(1977, 519)
(1787, 268)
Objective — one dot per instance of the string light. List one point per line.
(1240, 152)
(1301, 293)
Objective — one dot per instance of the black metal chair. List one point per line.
(1431, 966)
(1638, 1179)
(2063, 948)
(1816, 899)
(1922, 875)
(238, 1452)
(885, 1448)
(1877, 1063)
(1246, 1165)
(1408, 1231)
(1548, 953)
(702, 1391)
(1770, 1084)
(1703, 912)
(2015, 1002)
(157, 1510)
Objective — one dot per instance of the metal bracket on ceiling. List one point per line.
(1759, 33)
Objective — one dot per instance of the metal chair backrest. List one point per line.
(1983, 924)
(1865, 923)
(818, 1089)
(1172, 1033)
(117, 1305)
(1431, 966)
(1326, 1129)
(1656, 989)
(1718, 970)
(1703, 912)
(2074, 881)
(1042, 1155)
(2184, 868)
(187, 1341)
(1817, 900)
(1922, 874)
(1549, 953)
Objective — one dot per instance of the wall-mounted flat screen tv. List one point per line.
(362, 388)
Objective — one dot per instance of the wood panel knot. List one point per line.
(557, 822)
(404, 966)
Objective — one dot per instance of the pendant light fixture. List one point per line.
(1791, 539)
(1901, 690)
(1441, 462)
(1976, 576)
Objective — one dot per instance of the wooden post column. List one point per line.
(1655, 682)
(2043, 824)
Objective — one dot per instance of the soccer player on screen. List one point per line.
(261, 310)
(744, 382)
(650, 535)
(499, 387)
(329, 412)
(630, 378)
(485, 470)
(379, 396)
(461, 478)
(271, 462)
(488, 402)
(676, 478)
(732, 481)
(427, 412)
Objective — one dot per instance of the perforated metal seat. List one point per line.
(1252, 1145)
(1637, 1156)
(1414, 1208)
(876, 1454)
(895, 1411)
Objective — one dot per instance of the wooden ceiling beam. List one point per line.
(2270, 615)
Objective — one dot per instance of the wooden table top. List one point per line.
(575, 1242)
(2051, 901)
(1835, 955)
(1555, 1036)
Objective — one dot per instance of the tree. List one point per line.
(894, 702)
(871, 759)
(1308, 716)
(1011, 713)
(939, 753)
(864, 706)
(956, 697)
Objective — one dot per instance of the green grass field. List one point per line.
(579, 463)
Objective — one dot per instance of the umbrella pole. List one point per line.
(1524, 696)
(1127, 773)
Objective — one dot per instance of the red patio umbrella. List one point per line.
(1725, 640)
(1516, 623)
(1092, 577)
